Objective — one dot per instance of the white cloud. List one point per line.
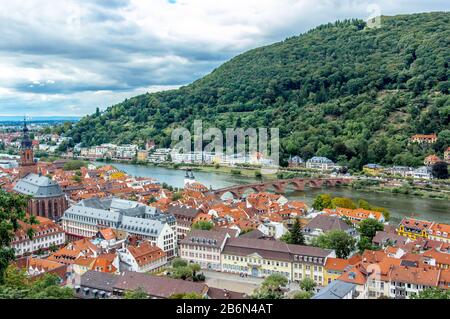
(68, 57)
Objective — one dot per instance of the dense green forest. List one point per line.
(343, 90)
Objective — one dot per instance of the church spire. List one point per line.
(27, 163)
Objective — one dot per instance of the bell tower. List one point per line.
(27, 163)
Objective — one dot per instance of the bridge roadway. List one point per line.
(280, 186)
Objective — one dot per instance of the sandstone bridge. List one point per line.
(279, 186)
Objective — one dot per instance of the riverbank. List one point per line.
(408, 187)
(400, 205)
(441, 192)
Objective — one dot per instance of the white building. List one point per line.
(422, 172)
(273, 229)
(87, 217)
(47, 234)
(204, 247)
(159, 155)
(126, 151)
(320, 163)
(142, 257)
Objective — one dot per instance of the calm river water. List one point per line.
(399, 205)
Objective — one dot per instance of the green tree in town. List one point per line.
(432, 293)
(187, 295)
(74, 165)
(178, 262)
(307, 284)
(12, 210)
(136, 294)
(364, 243)
(295, 235)
(322, 201)
(177, 196)
(338, 240)
(343, 202)
(271, 287)
(302, 295)
(369, 227)
(203, 225)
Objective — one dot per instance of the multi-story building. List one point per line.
(87, 217)
(204, 247)
(142, 257)
(439, 232)
(430, 160)
(261, 258)
(126, 151)
(320, 163)
(424, 138)
(142, 155)
(184, 216)
(46, 234)
(372, 169)
(322, 224)
(355, 215)
(159, 155)
(406, 281)
(296, 161)
(423, 172)
(334, 268)
(272, 229)
(414, 228)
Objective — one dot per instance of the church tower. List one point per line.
(27, 163)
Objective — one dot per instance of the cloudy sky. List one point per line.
(68, 57)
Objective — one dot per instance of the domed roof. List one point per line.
(38, 186)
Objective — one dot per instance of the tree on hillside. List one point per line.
(338, 240)
(440, 170)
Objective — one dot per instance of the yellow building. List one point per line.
(261, 258)
(142, 155)
(414, 228)
(333, 269)
(372, 169)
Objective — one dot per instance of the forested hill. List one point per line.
(341, 90)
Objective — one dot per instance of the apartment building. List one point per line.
(86, 218)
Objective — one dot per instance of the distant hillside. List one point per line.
(341, 90)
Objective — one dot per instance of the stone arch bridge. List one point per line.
(280, 186)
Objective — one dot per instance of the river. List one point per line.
(399, 205)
